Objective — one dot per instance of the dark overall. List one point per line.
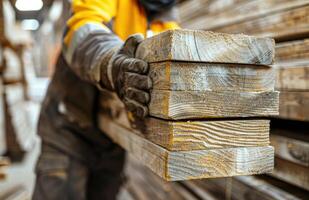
(78, 161)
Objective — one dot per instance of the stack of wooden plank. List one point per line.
(287, 21)
(207, 90)
(4, 162)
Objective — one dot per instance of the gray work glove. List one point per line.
(131, 82)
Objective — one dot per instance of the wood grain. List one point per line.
(205, 46)
(1, 20)
(196, 105)
(292, 173)
(294, 105)
(282, 26)
(296, 151)
(146, 185)
(292, 50)
(240, 12)
(189, 135)
(250, 187)
(186, 165)
(211, 77)
(293, 76)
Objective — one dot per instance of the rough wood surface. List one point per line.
(189, 135)
(250, 187)
(292, 173)
(143, 184)
(292, 50)
(190, 11)
(186, 165)
(292, 75)
(194, 104)
(282, 26)
(211, 77)
(294, 105)
(239, 12)
(1, 20)
(205, 46)
(290, 149)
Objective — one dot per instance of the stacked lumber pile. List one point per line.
(287, 21)
(207, 89)
(4, 162)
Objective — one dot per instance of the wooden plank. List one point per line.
(190, 135)
(145, 181)
(292, 173)
(205, 46)
(191, 9)
(293, 75)
(294, 150)
(200, 192)
(209, 104)
(250, 187)
(294, 105)
(198, 135)
(282, 26)
(240, 12)
(1, 21)
(211, 77)
(292, 50)
(186, 165)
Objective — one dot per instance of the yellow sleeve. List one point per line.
(158, 26)
(94, 13)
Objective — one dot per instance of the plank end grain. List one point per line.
(220, 163)
(178, 105)
(206, 46)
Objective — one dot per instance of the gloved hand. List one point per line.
(130, 79)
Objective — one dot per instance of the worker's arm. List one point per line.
(98, 56)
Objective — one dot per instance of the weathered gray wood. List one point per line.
(190, 135)
(186, 165)
(293, 75)
(292, 173)
(294, 105)
(211, 77)
(290, 149)
(205, 46)
(194, 104)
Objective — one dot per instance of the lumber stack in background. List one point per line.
(287, 21)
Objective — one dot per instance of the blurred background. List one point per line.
(30, 35)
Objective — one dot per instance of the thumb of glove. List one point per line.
(131, 45)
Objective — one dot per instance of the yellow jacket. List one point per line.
(123, 17)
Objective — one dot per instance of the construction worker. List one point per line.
(77, 160)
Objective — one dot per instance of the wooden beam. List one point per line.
(282, 26)
(189, 135)
(185, 165)
(211, 76)
(204, 46)
(237, 12)
(292, 173)
(293, 150)
(208, 104)
(250, 187)
(147, 185)
(294, 105)
(293, 76)
(292, 50)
